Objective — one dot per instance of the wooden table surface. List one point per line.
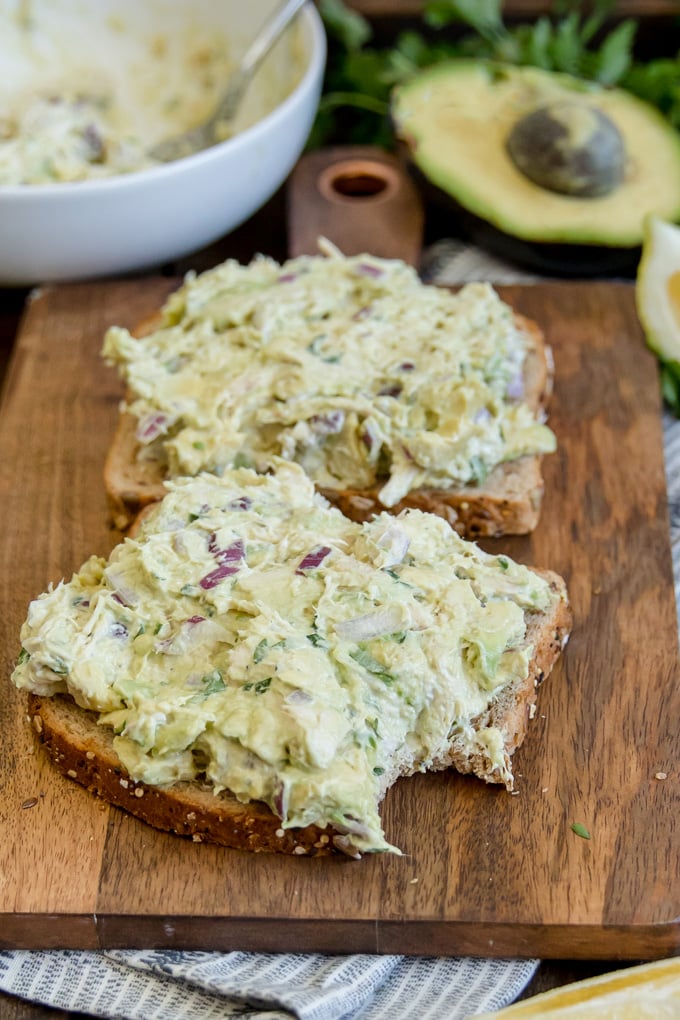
(264, 232)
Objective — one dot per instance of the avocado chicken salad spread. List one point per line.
(348, 366)
(66, 137)
(253, 637)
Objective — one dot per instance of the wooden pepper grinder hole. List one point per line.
(358, 181)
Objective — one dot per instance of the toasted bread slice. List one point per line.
(83, 751)
(508, 502)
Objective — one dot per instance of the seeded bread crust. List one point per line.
(508, 502)
(83, 751)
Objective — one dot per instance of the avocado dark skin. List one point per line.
(565, 261)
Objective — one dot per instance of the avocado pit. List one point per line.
(570, 148)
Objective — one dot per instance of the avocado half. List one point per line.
(550, 170)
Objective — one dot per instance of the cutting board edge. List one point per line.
(268, 934)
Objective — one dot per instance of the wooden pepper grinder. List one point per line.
(359, 197)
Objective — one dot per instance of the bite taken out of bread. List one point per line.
(254, 669)
(389, 393)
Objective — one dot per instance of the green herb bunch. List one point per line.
(355, 104)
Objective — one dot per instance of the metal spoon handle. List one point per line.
(265, 39)
(205, 135)
(255, 54)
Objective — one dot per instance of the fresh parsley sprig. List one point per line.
(670, 385)
(360, 76)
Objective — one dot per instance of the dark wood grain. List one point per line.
(483, 872)
(12, 1008)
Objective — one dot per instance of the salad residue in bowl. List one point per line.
(87, 93)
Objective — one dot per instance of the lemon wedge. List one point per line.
(657, 289)
(657, 295)
(648, 992)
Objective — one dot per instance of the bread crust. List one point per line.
(515, 706)
(83, 751)
(508, 502)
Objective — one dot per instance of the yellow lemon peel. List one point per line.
(648, 992)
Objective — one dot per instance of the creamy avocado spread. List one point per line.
(252, 637)
(350, 367)
(67, 137)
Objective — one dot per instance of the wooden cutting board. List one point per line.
(483, 872)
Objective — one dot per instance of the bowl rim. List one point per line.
(313, 71)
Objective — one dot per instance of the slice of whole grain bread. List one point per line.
(508, 502)
(83, 750)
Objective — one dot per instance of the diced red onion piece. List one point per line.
(353, 827)
(187, 637)
(94, 142)
(407, 366)
(362, 313)
(344, 845)
(313, 559)
(298, 697)
(175, 524)
(281, 802)
(122, 592)
(151, 426)
(240, 503)
(328, 424)
(390, 390)
(229, 561)
(212, 579)
(234, 553)
(481, 416)
(287, 277)
(365, 269)
(369, 436)
(178, 544)
(118, 630)
(370, 625)
(515, 388)
(395, 542)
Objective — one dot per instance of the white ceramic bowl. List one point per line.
(93, 228)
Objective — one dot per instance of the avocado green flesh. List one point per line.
(456, 118)
(253, 637)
